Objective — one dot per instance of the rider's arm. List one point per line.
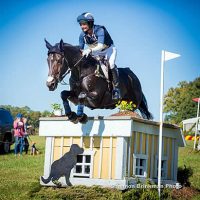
(99, 47)
(81, 41)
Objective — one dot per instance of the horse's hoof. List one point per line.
(83, 118)
(73, 117)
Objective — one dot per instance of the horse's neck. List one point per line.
(75, 75)
(84, 69)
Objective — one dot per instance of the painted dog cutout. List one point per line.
(64, 165)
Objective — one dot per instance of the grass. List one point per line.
(20, 174)
(191, 158)
(20, 177)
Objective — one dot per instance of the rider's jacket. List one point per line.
(100, 35)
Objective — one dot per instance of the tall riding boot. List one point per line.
(116, 94)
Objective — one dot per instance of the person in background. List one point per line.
(26, 143)
(19, 132)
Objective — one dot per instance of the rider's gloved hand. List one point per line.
(86, 52)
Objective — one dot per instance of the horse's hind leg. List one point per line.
(70, 114)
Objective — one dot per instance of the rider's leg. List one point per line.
(116, 89)
(111, 53)
(115, 74)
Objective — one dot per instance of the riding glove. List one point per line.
(86, 52)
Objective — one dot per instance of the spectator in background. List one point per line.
(19, 132)
(26, 143)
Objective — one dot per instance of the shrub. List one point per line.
(132, 194)
(77, 192)
(148, 193)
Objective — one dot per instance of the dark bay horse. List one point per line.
(86, 88)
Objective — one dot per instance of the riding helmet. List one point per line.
(86, 17)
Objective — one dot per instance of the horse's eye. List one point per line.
(51, 57)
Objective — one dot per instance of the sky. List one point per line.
(140, 29)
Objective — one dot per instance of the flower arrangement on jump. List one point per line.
(57, 109)
(125, 106)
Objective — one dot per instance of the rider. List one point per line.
(99, 42)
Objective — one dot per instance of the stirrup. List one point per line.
(116, 94)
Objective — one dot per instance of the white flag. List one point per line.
(170, 55)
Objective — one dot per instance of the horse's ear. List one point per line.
(61, 45)
(48, 45)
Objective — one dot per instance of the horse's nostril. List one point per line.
(49, 84)
(50, 79)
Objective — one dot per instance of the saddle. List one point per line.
(103, 68)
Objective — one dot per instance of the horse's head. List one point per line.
(56, 63)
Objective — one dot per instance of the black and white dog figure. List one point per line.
(64, 165)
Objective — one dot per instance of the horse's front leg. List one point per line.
(70, 114)
(82, 117)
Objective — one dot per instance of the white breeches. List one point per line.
(109, 53)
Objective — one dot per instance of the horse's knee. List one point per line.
(64, 95)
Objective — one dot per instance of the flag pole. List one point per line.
(161, 121)
(195, 138)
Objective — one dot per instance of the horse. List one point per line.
(88, 88)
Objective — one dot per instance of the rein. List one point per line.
(68, 70)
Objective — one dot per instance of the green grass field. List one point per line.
(190, 158)
(19, 177)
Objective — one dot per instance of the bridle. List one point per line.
(61, 81)
(61, 77)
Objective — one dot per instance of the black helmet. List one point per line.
(85, 17)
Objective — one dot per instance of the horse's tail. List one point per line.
(46, 180)
(143, 108)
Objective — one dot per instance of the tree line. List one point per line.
(178, 104)
(32, 116)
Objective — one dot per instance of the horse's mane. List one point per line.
(74, 47)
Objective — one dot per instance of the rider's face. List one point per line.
(84, 27)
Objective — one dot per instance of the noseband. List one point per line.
(60, 77)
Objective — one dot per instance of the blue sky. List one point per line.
(140, 30)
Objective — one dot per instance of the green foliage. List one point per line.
(56, 106)
(146, 191)
(178, 104)
(32, 116)
(125, 106)
(133, 194)
(79, 193)
(191, 159)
